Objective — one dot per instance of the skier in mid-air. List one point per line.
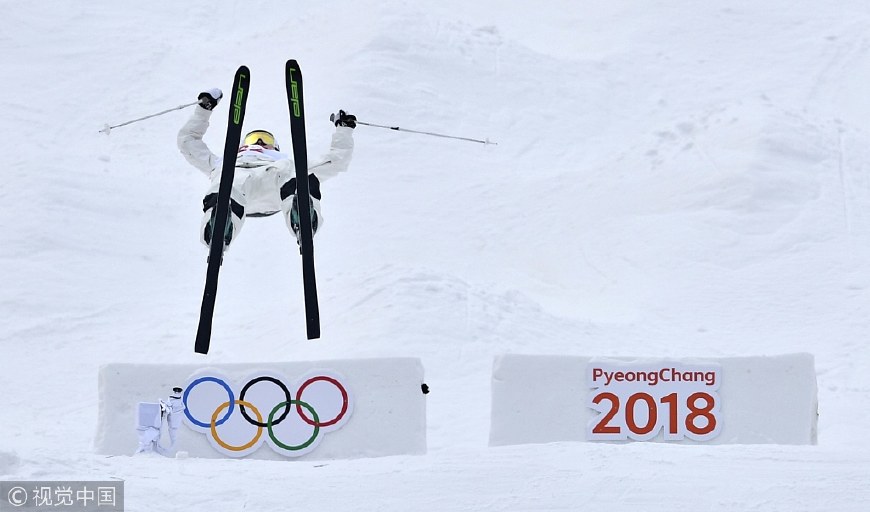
(264, 181)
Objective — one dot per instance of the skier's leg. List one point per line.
(236, 217)
(290, 206)
(234, 223)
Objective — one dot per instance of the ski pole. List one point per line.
(106, 129)
(396, 128)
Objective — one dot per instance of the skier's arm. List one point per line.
(338, 158)
(191, 145)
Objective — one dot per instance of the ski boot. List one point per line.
(235, 218)
(209, 230)
(295, 221)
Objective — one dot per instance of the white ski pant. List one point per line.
(257, 192)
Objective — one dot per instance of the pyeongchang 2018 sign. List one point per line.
(290, 416)
(637, 401)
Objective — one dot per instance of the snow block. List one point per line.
(746, 400)
(320, 410)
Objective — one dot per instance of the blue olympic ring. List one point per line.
(230, 394)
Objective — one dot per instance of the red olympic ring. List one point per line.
(344, 403)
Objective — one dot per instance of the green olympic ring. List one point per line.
(304, 445)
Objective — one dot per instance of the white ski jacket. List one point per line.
(197, 153)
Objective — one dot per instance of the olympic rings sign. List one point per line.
(293, 418)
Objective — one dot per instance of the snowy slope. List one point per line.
(671, 179)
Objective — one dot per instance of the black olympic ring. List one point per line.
(275, 381)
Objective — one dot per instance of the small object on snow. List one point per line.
(425, 388)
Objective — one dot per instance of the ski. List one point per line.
(239, 98)
(293, 79)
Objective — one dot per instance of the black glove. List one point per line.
(343, 119)
(210, 98)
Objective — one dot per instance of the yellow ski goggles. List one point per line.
(261, 138)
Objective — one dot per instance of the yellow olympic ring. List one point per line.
(252, 442)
